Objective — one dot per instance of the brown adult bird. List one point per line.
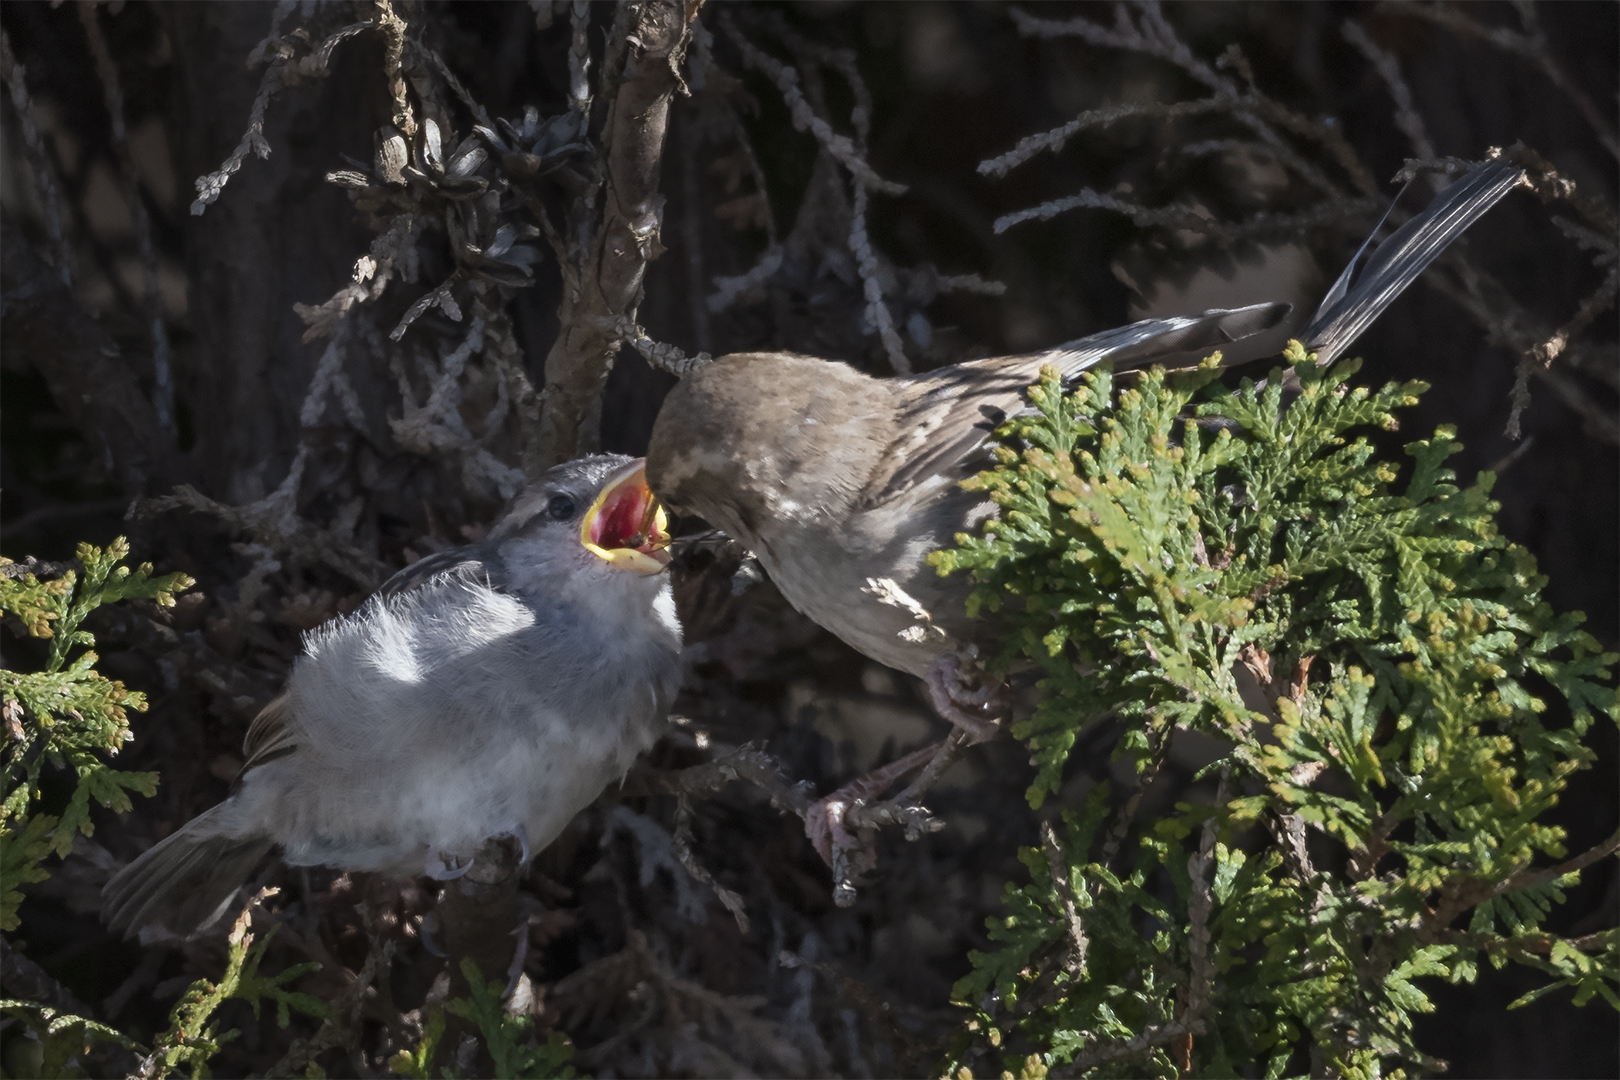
(841, 483)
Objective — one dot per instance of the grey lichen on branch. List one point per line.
(639, 77)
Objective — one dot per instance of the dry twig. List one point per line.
(625, 239)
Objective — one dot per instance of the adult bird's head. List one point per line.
(761, 440)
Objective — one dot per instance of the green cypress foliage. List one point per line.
(1241, 563)
(67, 715)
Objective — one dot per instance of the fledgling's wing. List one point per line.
(270, 736)
(944, 416)
(471, 561)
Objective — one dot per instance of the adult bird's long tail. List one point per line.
(1353, 304)
(1355, 301)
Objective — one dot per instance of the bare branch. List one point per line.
(272, 523)
(1074, 963)
(393, 251)
(1031, 145)
(786, 79)
(393, 29)
(660, 356)
(1171, 217)
(450, 80)
(436, 426)
(253, 141)
(627, 239)
(866, 261)
(1463, 895)
(729, 289)
(969, 283)
(1152, 35)
(1407, 118)
(683, 851)
(284, 70)
(1508, 325)
(1532, 47)
(39, 162)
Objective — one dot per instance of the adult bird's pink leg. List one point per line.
(824, 820)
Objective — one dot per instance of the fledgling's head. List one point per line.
(756, 439)
(587, 523)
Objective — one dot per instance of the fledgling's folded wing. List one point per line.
(270, 736)
(469, 560)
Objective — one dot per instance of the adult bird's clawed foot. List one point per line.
(971, 709)
(840, 825)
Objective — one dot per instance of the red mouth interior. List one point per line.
(628, 514)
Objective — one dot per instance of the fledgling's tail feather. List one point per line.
(183, 880)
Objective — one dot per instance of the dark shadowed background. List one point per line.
(644, 970)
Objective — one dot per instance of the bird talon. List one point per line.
(448, 868)
(521, 835)
(949, 692)
(824, 819)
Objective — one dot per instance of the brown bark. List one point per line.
(578, 364)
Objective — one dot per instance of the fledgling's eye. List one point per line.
(561, 507)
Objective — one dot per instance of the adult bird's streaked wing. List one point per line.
(945, 415)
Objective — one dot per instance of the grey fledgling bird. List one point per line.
(492, 690)
(841, 483)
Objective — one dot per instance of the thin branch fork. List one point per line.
(1458, 898)
(610, 282)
